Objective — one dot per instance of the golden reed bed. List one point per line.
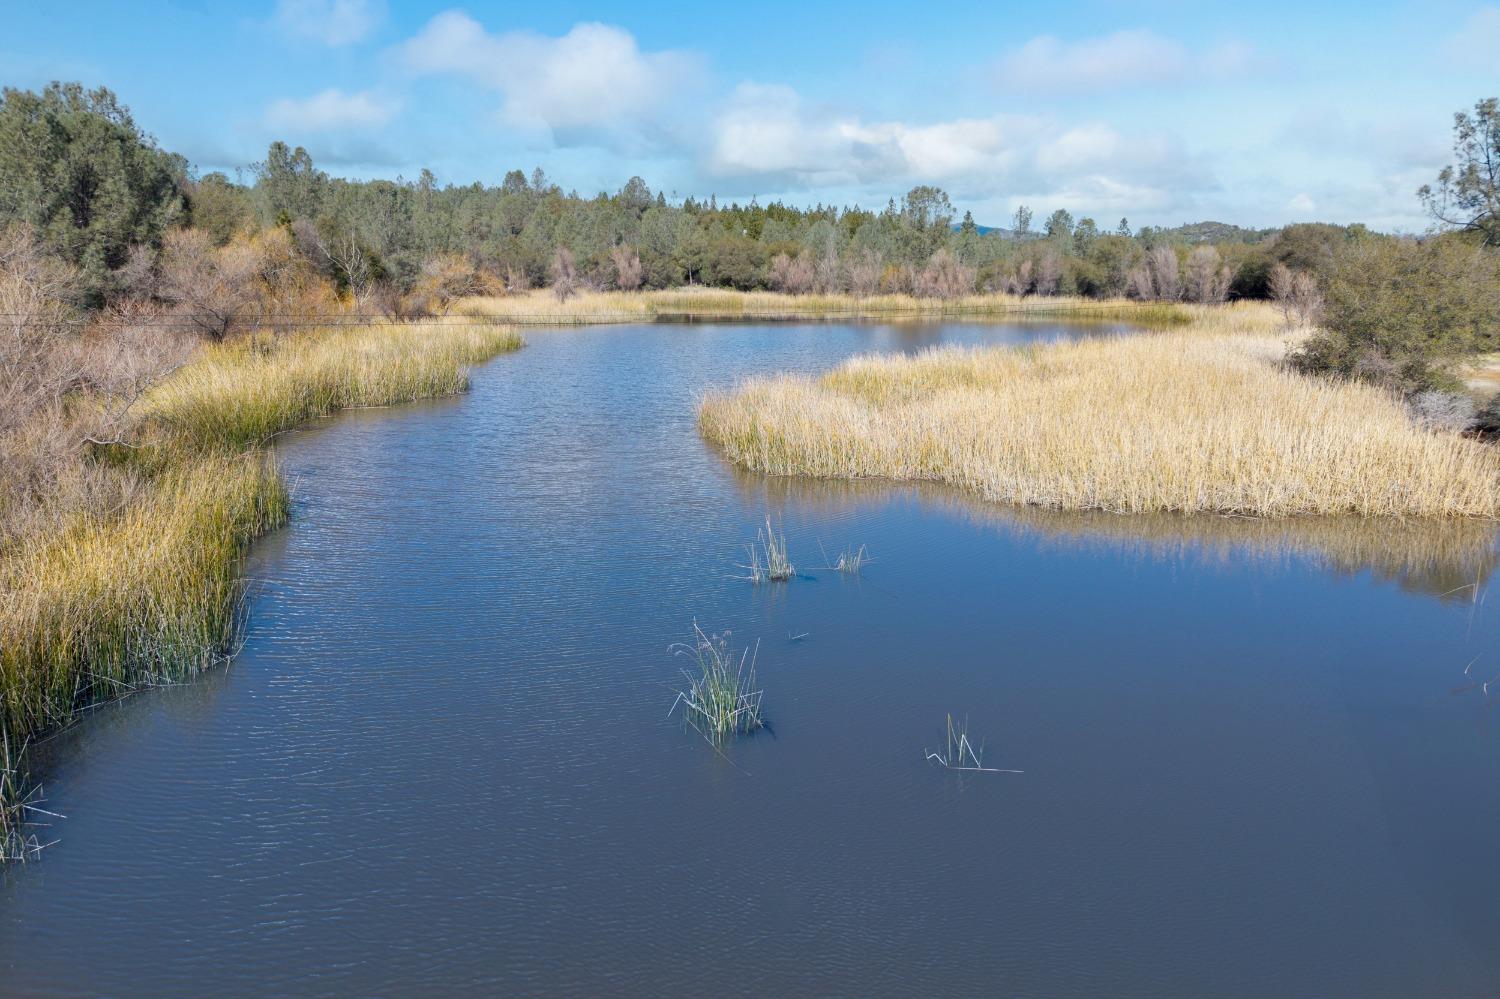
(1203, 418)
(148, 593)
(542, 307)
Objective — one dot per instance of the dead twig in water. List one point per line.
(958, 752)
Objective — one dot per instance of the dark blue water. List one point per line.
(442, 763)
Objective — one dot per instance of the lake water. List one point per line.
(442, 764)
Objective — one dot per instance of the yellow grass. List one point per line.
(144, 596)
(542, 307)
(149, 592)
(1200, 419)
(238, 394)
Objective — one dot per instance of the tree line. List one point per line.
(101, 195)
(137, 228)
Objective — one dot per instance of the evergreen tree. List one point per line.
(74, 166)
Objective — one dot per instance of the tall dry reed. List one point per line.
(239, 394)
(1202, 419)
(541, 307)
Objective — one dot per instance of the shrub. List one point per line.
(1404, 313)
(1452, 411)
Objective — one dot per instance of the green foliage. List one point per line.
(1404, 312)
(220, 208)
(1059, 224)
(1468, 192)
(74, 166)
(288, 186)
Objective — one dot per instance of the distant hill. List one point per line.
(1191, 232)
(984, 230)
(1217, 232)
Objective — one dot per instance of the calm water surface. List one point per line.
(442, 764)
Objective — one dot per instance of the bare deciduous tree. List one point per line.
(1207, 279)
(1165, 277)
(1048, 274)
(1296, 294)
(793, 275)
(864, 273)
(213, 289)
(564, 274)
(945, 277)
(828, 273)
(1019, 281)
(629, 274)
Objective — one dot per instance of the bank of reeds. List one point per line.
(239, 394)
(1203, 418)
(685, 304)
(148, 592)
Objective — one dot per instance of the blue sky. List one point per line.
(1159, 110)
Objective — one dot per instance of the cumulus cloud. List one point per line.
(1124, 59)
(767, 135)
(593, 77)
(331, 110)
(332, 22)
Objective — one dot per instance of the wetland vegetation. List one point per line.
(1247, 396)
(155, 349)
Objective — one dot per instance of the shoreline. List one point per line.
(1203, 418)
(149, 593)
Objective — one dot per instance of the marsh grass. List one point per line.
(849, 562)
(20, 806)
(769, 561)
(1205, 418)
(959, 753)
(722, 699)
(149, 592)
(689, 304)
(241, 394)
(144, 596)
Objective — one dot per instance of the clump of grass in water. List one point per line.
(768, 556)
(959, 753)
(722, 699)
(850, 561)
(19, 800)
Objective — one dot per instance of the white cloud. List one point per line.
(1302, 204)
(332, 22)
(768, 137)
(331, 110)
(595, 76)
(1478, 40)
(1123, 59)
